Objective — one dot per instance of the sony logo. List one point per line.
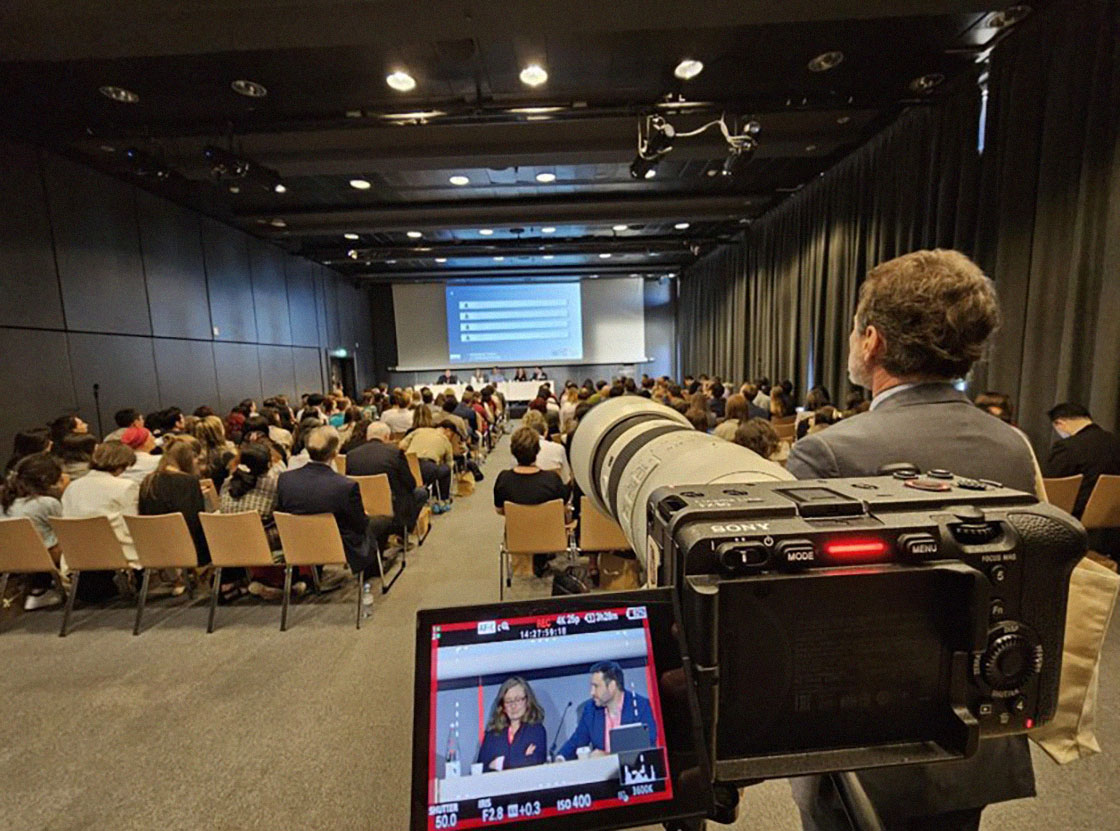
(736, 528)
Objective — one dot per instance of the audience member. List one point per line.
(277, 432)
(64, 426)
(76, 453)
(33, 490)
(736, 411)
(817, 398)
(781, 406)
(124, 419)
(176, 486)
(399, 416)
(716, 402)
(216, 450)
(997, 404)
(433, 450)
(142, 442)
(855, 403)
(1082, 446)
(568, 408)
(300, 456)
(350, 419)
(762, 397)
(104, 492)
(28, 443)
(527, 484)
(552, 456)
(380, 455)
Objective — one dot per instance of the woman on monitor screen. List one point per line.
(515, 736)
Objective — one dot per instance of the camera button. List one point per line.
(998, 574)
(940, 473)
(918, 546)
(797, 552)
(999, 610)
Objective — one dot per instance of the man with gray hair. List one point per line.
(380, 455)
(316, 488)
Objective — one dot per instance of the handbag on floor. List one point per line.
(570, 581)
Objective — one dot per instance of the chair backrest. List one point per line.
(535, 529)
(414, 466)
(1103, 508)
(456, 443)
(1062, 493)
(22, 550)
(162, 541)
(598, 532)
(340, 463)
(89, 543)
(377, 496)
(236, 539)
(310, 539)
(786, 430)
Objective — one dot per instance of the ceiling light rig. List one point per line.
(250, 89)
(236, 171)
(656, 137)
(120, 94)
(688, 69)
(146, 165)
(826, 61)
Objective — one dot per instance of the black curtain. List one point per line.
(1050, 235)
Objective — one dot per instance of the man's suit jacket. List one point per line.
(448, 379)
(931, 426)
(591, 730)
(1090, 451)
(376, 457)
(316, 488)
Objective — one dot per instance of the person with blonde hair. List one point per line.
(551, 455)
(515, 735)
(435, 454)
(104, 492)
(175, 486)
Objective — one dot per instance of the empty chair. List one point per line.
(311, 540)
(377, 500)
(89, 544)
(1103, 508)
(1062, 493)
(600, 534)
(340, 463)
(532, 529)
(423, 522)
(22, 551)
(236, 541)
(162, 541)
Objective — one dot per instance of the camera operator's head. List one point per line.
(925, 316)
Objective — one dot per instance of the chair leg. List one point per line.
(315, 579)
(287, 595)
(4, 590)
(381, 569)
(141, 599)
(215, 590)
(74, 577)
(361, 587)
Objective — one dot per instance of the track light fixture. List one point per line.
(226, 165)
(146, 165)
(656, 137)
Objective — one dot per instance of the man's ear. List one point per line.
(874, 344)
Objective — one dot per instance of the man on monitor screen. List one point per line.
(609, 708)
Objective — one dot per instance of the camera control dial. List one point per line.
(1013, 656)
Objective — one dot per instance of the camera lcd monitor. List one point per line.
(553, 714)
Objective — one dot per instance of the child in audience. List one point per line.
(32, 490)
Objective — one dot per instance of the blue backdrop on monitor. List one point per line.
(489, 324)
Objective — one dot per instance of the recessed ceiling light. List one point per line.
(680, 226)
(546, 178)
(844, 119)
(401, 81)
(548, 229)
(108, 148)
(688, 69)
(416, 115)
(604, 256)
(547, 257)
(414, 235)
(235, 188)
(250, 89)
(534, 110)
(391, 262)
(498, 259)
(280, 188)
(486, 232)
(927, 83)
(352, 254)
(441, 259)
(459, 180)
(826, 61)
(360, 184)
(351, 237)
(619, 228)
(651, 173)
(713, 172)
(120, 94)
(278, 223)
(533, 75)
(809, 148)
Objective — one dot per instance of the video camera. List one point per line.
(798, 627)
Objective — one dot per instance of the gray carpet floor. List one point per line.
(254, 728)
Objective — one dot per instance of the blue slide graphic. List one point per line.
(490, 324)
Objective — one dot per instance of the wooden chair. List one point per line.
(599, 534)
(22, 551)
(532, 529)
(235, 541)
(1103, 508)
(88, 544)
(377, 500)
(786, 428)
(311, 540)
(425, 512)
(1062, 493)
(340, 463)
(162, 541)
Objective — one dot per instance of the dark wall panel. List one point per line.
(28, 281)
(98, 250)
(309, 374)
(185, 369)
(270, 293)
(347, 298)
(277, 371)
(35, 377)
(239, 374)
(173, 267)
(300, 276)
(320, 274)
(125, 369)
(229, 282)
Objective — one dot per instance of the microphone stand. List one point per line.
(97, 408)
(556, 738)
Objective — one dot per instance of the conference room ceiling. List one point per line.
(547, 167)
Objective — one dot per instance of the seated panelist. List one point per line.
(515, 735)
(610, 706)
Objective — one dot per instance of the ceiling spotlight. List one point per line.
(548, 230)
(650, 173)
(391, 262)
(1008, 17)
(619, 228)
(459, 181)
(654, 141)
(108, 148)
(414, 235)
(736, 161)
(250, 89)
(226, 165)
(278, 223)
(352, 254)
(546, 178)
(844, 119)
(401, 81)
(533, 75)
(360, 184)
(486, 232)
(927, 83)
(120, 94)
(809, 148)
(681, 226)
(280, 188)
(688, 69)
(826, 61)
(351, 237)
(604, 256)
(235, 188)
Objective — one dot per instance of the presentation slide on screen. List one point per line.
(488, 324)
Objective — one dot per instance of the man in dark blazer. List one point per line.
(1082, 447)
(448, 377)
(609, 699)
(316, 488)
(380, 455)
(921, 322)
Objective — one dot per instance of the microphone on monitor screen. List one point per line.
(556, 738)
